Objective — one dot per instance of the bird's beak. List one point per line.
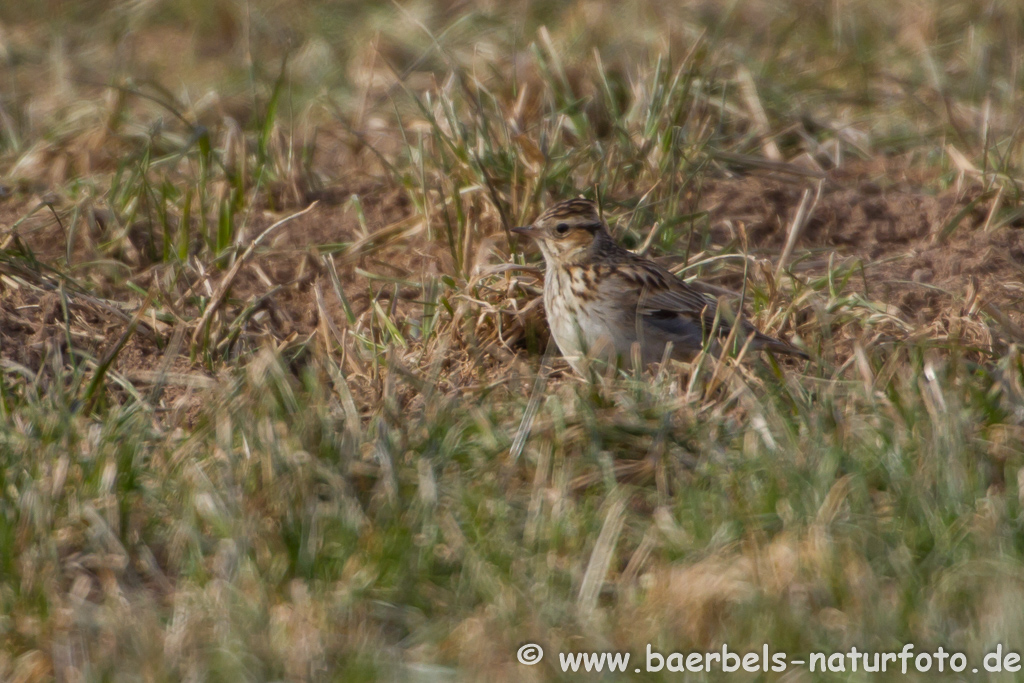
(526, 230)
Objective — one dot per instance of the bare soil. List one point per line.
(871, 211)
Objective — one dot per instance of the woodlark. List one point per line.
(602, 299)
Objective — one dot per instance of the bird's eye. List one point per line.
(562, 228)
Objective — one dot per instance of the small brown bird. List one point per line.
(601, 299)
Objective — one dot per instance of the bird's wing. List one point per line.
(679, 299)
(672, 309)
(680, 311)
(663, 296)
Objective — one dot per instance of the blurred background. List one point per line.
(885, 77)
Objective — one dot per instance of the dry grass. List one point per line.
(274, 403)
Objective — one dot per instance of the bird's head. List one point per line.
(568, 231)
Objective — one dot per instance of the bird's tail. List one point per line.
(763, 341)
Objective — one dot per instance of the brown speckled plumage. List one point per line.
(601, 298)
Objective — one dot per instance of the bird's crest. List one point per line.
(570, 208)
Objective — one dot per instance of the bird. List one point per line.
(600, 298)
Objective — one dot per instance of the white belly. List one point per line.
(578, 326)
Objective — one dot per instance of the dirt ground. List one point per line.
(875, 213)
